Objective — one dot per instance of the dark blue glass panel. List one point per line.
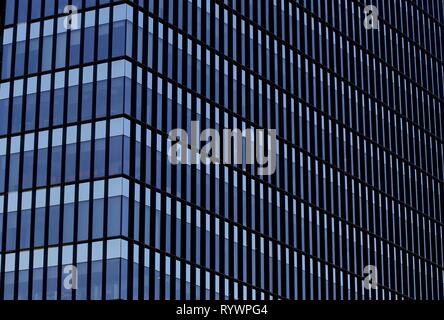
(17, 114)
(25, 230)
(4, 111)
(89, 45)
(68, 223)
(14, 172)
(59, 102)
(99, 158)
(54, 218)
(44, 109)
(6, 61)
(20, 58)
(70, 163)
(42, 164)
(85, 156)
(114, 216)
(39, 228)
(56, 165)
(98, 219)
(11, 232)
(10, 11)
(30, 111)
(28, 169)
(83, 218)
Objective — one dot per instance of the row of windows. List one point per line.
(42, 90)
(67, 159)
(117, 275)
(53, 40)
(36, 9)
(70, 207)
(303, 273)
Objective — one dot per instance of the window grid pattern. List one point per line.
(360, 143)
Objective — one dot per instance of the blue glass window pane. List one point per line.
(37, 284)
(61, 50)
(103, 40)
(20, 58)
(2, 173)
(89, 45)
(74, 48)
(96, 280)
(102, 98)
(9, 286)
(51, 292)
(117, 95)
(68, 223)
(7, 60)
(73, 102)
(23, 285)
(116, 158)
(119, 38)
(25, 230)
(49, 8)
(30, 111)
(127, 96)
(4, 111)
(14, 169)
(90, 3)
(47, 53)
(56, 165)
(62, 5)
(83, 217)
(28, 166)
(99, 158)
(70, 163)
(125, 218)
(39, 228)
(44, 109)
(9, 14)
(36, 9)
(59, 102)
(85, 155)
(87, 96)
(17, 114)
(113, 279)
(42, 164)
(23, 11)
(77, 4)
(82, 273)
(54, 218)
(98, 219)
(11, 233)
(114, 216)
(126, 155)
(1, 230)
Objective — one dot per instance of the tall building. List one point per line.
(91, 207)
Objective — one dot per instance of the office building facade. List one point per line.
(92, 208)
